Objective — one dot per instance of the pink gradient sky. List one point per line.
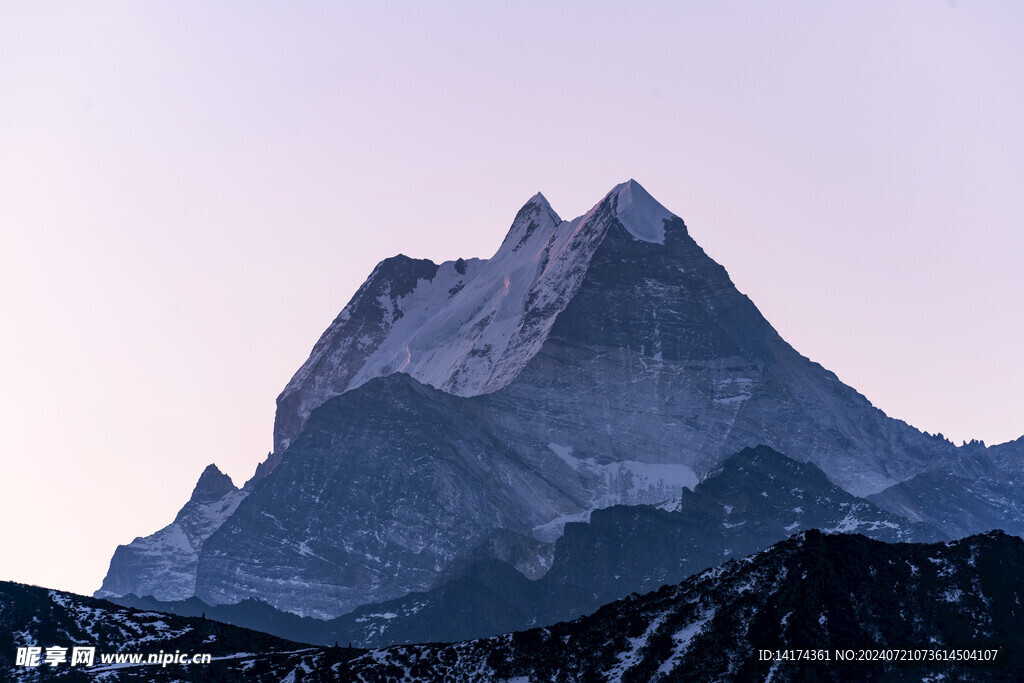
(190, 192)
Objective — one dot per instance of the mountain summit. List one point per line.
(640, 213)
(212, 485)
(465, 327)
(588, 363)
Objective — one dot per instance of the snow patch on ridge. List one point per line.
(640, 213)
(634, 655)
(681, 641)
(627, 482)
(549, 532)
(631, 482)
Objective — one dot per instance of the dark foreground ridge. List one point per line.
(814, 591)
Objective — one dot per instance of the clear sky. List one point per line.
(190, 192)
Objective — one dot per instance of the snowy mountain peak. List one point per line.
(535, 217)
(540, 200)
(640, 213)
(212, 485)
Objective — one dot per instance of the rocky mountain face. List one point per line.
(748, 619)
(384, 487)
(754, 499)
(604, 318)
(974, 496)
(460, 327)
(164, 564)
(601, 361)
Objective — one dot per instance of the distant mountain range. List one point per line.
(468, 412)
(943, 611)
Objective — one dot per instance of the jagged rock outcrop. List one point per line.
(163, 564)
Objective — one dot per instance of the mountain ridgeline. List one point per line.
(598, 362)
(755, 498)
(834, 594)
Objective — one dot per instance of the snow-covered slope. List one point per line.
(163, 564)
(465, 327)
